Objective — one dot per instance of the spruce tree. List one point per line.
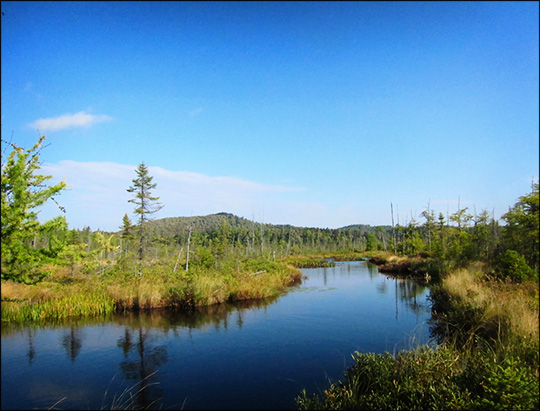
(145, 204)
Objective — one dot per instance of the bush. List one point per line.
(513, 265)
(442, 378)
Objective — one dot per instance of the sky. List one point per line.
(314, 114)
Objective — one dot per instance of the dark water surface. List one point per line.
(256, 355)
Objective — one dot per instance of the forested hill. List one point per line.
(242, 229)
(171, 226)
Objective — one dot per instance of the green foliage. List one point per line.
(127, 229)
(23, 191)
(203, 258)
(510, 385)
(523, 224)
(72, 254)
(513, 265)
(427, 378)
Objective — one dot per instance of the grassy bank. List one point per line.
(487, 357)
(64, 295)
(325, 260)
(68, 292)
(417, 267)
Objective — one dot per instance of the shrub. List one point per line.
(513, 265)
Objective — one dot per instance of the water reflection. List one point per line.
(148, 349)
(72, 343)
(373, 271)
(409, 292)
(142, 367)
(31, 350)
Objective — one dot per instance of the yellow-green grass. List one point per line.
(64, 295)
(510, 309)
(48, 301)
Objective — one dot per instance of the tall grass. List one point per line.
(472, 302)
(130, 397)
(64, 295)
(77, 305)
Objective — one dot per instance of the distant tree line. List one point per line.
(29, 248)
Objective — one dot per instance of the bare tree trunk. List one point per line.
(262, 239)
(177, 259)
(393, 229)
(187, 252)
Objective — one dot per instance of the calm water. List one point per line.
(244, 356)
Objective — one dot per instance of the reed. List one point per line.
(129, 398)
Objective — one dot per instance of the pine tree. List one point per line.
(145, 204)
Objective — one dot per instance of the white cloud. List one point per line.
(80, 119)
(98, 197)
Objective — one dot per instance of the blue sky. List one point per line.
(315, 114)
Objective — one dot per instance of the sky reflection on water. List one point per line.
(248, 355)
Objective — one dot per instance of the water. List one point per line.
(256, 355)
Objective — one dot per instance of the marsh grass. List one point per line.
(129, 398)
(65, 295)
(502, 312)
(301, 261)
(58, 308)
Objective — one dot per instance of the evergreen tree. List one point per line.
(145, 204)
(127, 227)
(22, 192)
(522, 230)
(127, 233)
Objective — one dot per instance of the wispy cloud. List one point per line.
(195, 112)
(80, 119)
(98, 197)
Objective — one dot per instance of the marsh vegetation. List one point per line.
(483, 277)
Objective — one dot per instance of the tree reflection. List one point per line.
(31, 350)
(142, 367)
(125, 342)
(382, 287)
(72, 343)
(408, 293)
(373, 271)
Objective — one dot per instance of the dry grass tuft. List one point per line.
(507, 306)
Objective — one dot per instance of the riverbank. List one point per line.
(419, 267)
(487, 355)
(63, 294)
